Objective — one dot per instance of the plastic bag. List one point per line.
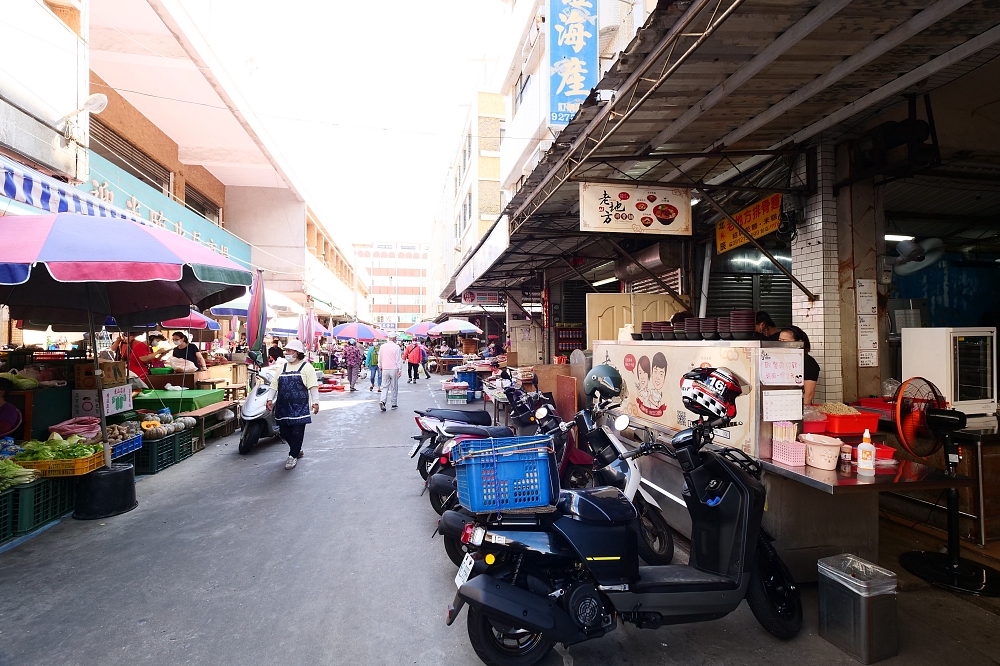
(810, 413)
(86, 426)
(889, 388)
(181, 364)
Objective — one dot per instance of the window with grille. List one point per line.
(127, 156)
(201, 204)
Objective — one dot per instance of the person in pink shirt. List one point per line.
(390, 360)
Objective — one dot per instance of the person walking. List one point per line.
(353, 359)
(423, 360)
(390, 361)
(412, 355)
(292, 397)
(371, 360)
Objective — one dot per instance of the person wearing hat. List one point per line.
(353, 357)
(390, 361)
(292, 397)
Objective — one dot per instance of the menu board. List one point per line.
(866, 294)
(652, 377)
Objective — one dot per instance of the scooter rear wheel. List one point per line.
(656, 539)
(453, 547)
(498, 644)
(773, 596)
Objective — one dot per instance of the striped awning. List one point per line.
(30, 187)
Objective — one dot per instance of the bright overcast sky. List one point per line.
(364, 99)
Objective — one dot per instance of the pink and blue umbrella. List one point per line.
(194, 320)
(256, 315)
(358, 331)
(421, 329)
(58, 268)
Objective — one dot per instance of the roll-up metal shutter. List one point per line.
(729, 292)
(774, 296)
(119, 151)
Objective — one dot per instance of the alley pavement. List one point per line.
(231, 559)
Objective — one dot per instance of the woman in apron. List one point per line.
(291, 396)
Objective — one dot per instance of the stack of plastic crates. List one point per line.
(458, 393)
(40, 502)
(506, 474)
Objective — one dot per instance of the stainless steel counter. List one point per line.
(906, 475)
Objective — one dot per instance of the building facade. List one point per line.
(398, 281)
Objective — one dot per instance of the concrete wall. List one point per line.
(273, 221)
(126, 120)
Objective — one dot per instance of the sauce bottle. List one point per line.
(866, 455)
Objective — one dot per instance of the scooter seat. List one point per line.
(479, 431)
(474, 417)
(672, 576)
(596, 505)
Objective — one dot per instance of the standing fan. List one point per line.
(925, 425)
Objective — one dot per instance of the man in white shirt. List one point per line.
(390, 361)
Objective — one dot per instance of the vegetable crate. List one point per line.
(6, 515)
(506, 474)
(41, 502)
(155, 455)
(68, 467)
(183, 447)
(126, 447)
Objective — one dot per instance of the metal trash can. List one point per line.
(857, 607)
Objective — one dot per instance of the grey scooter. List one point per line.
(257, 419)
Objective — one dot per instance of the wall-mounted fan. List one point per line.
(914, 257)
(924, 426)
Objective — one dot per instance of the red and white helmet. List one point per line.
(711, 392)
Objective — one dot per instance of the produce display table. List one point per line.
(207, 418)
(446, 363)
(212, 383)
(178, 401)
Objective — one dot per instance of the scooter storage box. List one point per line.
(857, 608)
(506, 474)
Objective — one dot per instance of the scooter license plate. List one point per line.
(416, 447)
(465, 570)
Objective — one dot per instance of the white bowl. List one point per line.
(822, 456)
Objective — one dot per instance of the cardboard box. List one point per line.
(115, 400)
(115, 374)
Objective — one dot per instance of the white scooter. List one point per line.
(257, 420)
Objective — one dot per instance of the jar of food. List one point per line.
(846, 453)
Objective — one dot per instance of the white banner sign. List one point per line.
(639, 210)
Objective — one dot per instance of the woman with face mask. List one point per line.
(292, 397)
(184, 349)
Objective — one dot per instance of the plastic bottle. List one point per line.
(866, 455)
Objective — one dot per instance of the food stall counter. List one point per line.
(177, 401)
(907, 475)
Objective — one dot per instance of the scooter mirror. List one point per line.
(541, 413)
(621, 422)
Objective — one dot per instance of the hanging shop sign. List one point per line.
(574, 62)
(474, 297)
(760, 219)
(615, 208)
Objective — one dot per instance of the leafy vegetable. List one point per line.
(12, 475)
(58, 449)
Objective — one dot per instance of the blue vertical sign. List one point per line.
(574, 62)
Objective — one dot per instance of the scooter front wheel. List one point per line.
(656, 539)
(498, 644)
(252, 432)
(773, 596)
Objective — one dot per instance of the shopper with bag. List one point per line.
(292, 397)
(374, 372)
(413, 358)
(353, 359)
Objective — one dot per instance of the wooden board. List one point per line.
(546, 376)
(566, 403)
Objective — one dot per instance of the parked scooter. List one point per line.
(568, 576)
(428, 421)
(258, 421)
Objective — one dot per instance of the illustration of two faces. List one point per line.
(650, 382)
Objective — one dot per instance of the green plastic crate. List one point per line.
(155, 455)
(41, 502)
(183, 445)
(6, 515)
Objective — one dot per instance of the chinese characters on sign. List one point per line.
(473, 297)
(782, 367)
(573, 60)
(638, 210)
(866, 295)
(758, 219)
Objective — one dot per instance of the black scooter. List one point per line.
(568, 576)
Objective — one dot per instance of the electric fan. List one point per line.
(925, 425)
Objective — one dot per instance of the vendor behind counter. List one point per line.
(10, 416)
(810, 374)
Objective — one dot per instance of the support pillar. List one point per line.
(815, 264)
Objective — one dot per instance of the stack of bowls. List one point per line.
(666, 330)
(709, 328)
(692, 328)
(742, 324)
(724, 330)
(647, 330)
(657, 331)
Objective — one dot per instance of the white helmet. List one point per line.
(295, 345)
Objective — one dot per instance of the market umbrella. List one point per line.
(358, 331)
(194, 320)
(239, 307)
(257, 317)
(68, 268)
(289, 326)
(453, 326)
(420, 329)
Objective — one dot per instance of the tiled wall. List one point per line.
(815, 264)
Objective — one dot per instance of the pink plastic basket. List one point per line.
(789, 453)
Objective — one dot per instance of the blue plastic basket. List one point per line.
(506, 474)
(128, 446)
